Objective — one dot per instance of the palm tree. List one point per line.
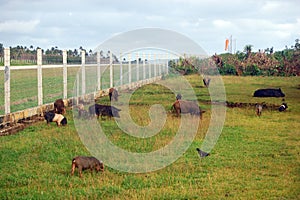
(248, 50)
(267, 50)
(271, 50)
(75, 52)
(48, 52)
(1, 49)
(297, 44)
(108, 54)
(52, 50)
(101, 54)
(70, 53)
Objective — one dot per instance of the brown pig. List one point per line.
(84, 162)
(59, 107)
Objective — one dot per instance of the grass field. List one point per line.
(254, 158)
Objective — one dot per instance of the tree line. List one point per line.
(266, 62)
(52, 55)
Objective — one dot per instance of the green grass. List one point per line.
(255, 158)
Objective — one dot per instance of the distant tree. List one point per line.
(297, 45)
(240, 55)
(115, 58)
(1, 49)
(48, 52)
(70, 53)
(101, 54)
(75, 52)
(108, 54)
(26, 50)
(248, 50)
(267, 50)
(271, 50)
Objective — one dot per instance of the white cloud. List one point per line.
(271, 6)
(155, 18)
(18, 26)
(209, 22)
(219, 23)
(274, 29)
(281, 34)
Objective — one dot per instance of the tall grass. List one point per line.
(255, 157)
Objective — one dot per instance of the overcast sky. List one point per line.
(87, 23)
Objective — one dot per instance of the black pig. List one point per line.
(269, 93)
(283, 106)
(54, 117)
(104, 110)
(84, 162)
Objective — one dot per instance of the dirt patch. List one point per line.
(241, 104)
(248, 105)
(9, 129)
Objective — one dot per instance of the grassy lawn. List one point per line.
(254, 158)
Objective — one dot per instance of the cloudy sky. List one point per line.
(71, 24)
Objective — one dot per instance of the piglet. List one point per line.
(258, 109)
(84, 162)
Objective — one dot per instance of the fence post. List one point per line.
(83, 72)
(65, 74)
(121, 70)
(111, 75)
(7, 80)
(159, 64)
(98, 71)
(144, 67)
(154, 60)
(129, 68)
(40, 76)
(167, 63)
(137, 67)
(77, 88)
(149, 66)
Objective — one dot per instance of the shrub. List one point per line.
(227, 69)
(252, 70)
